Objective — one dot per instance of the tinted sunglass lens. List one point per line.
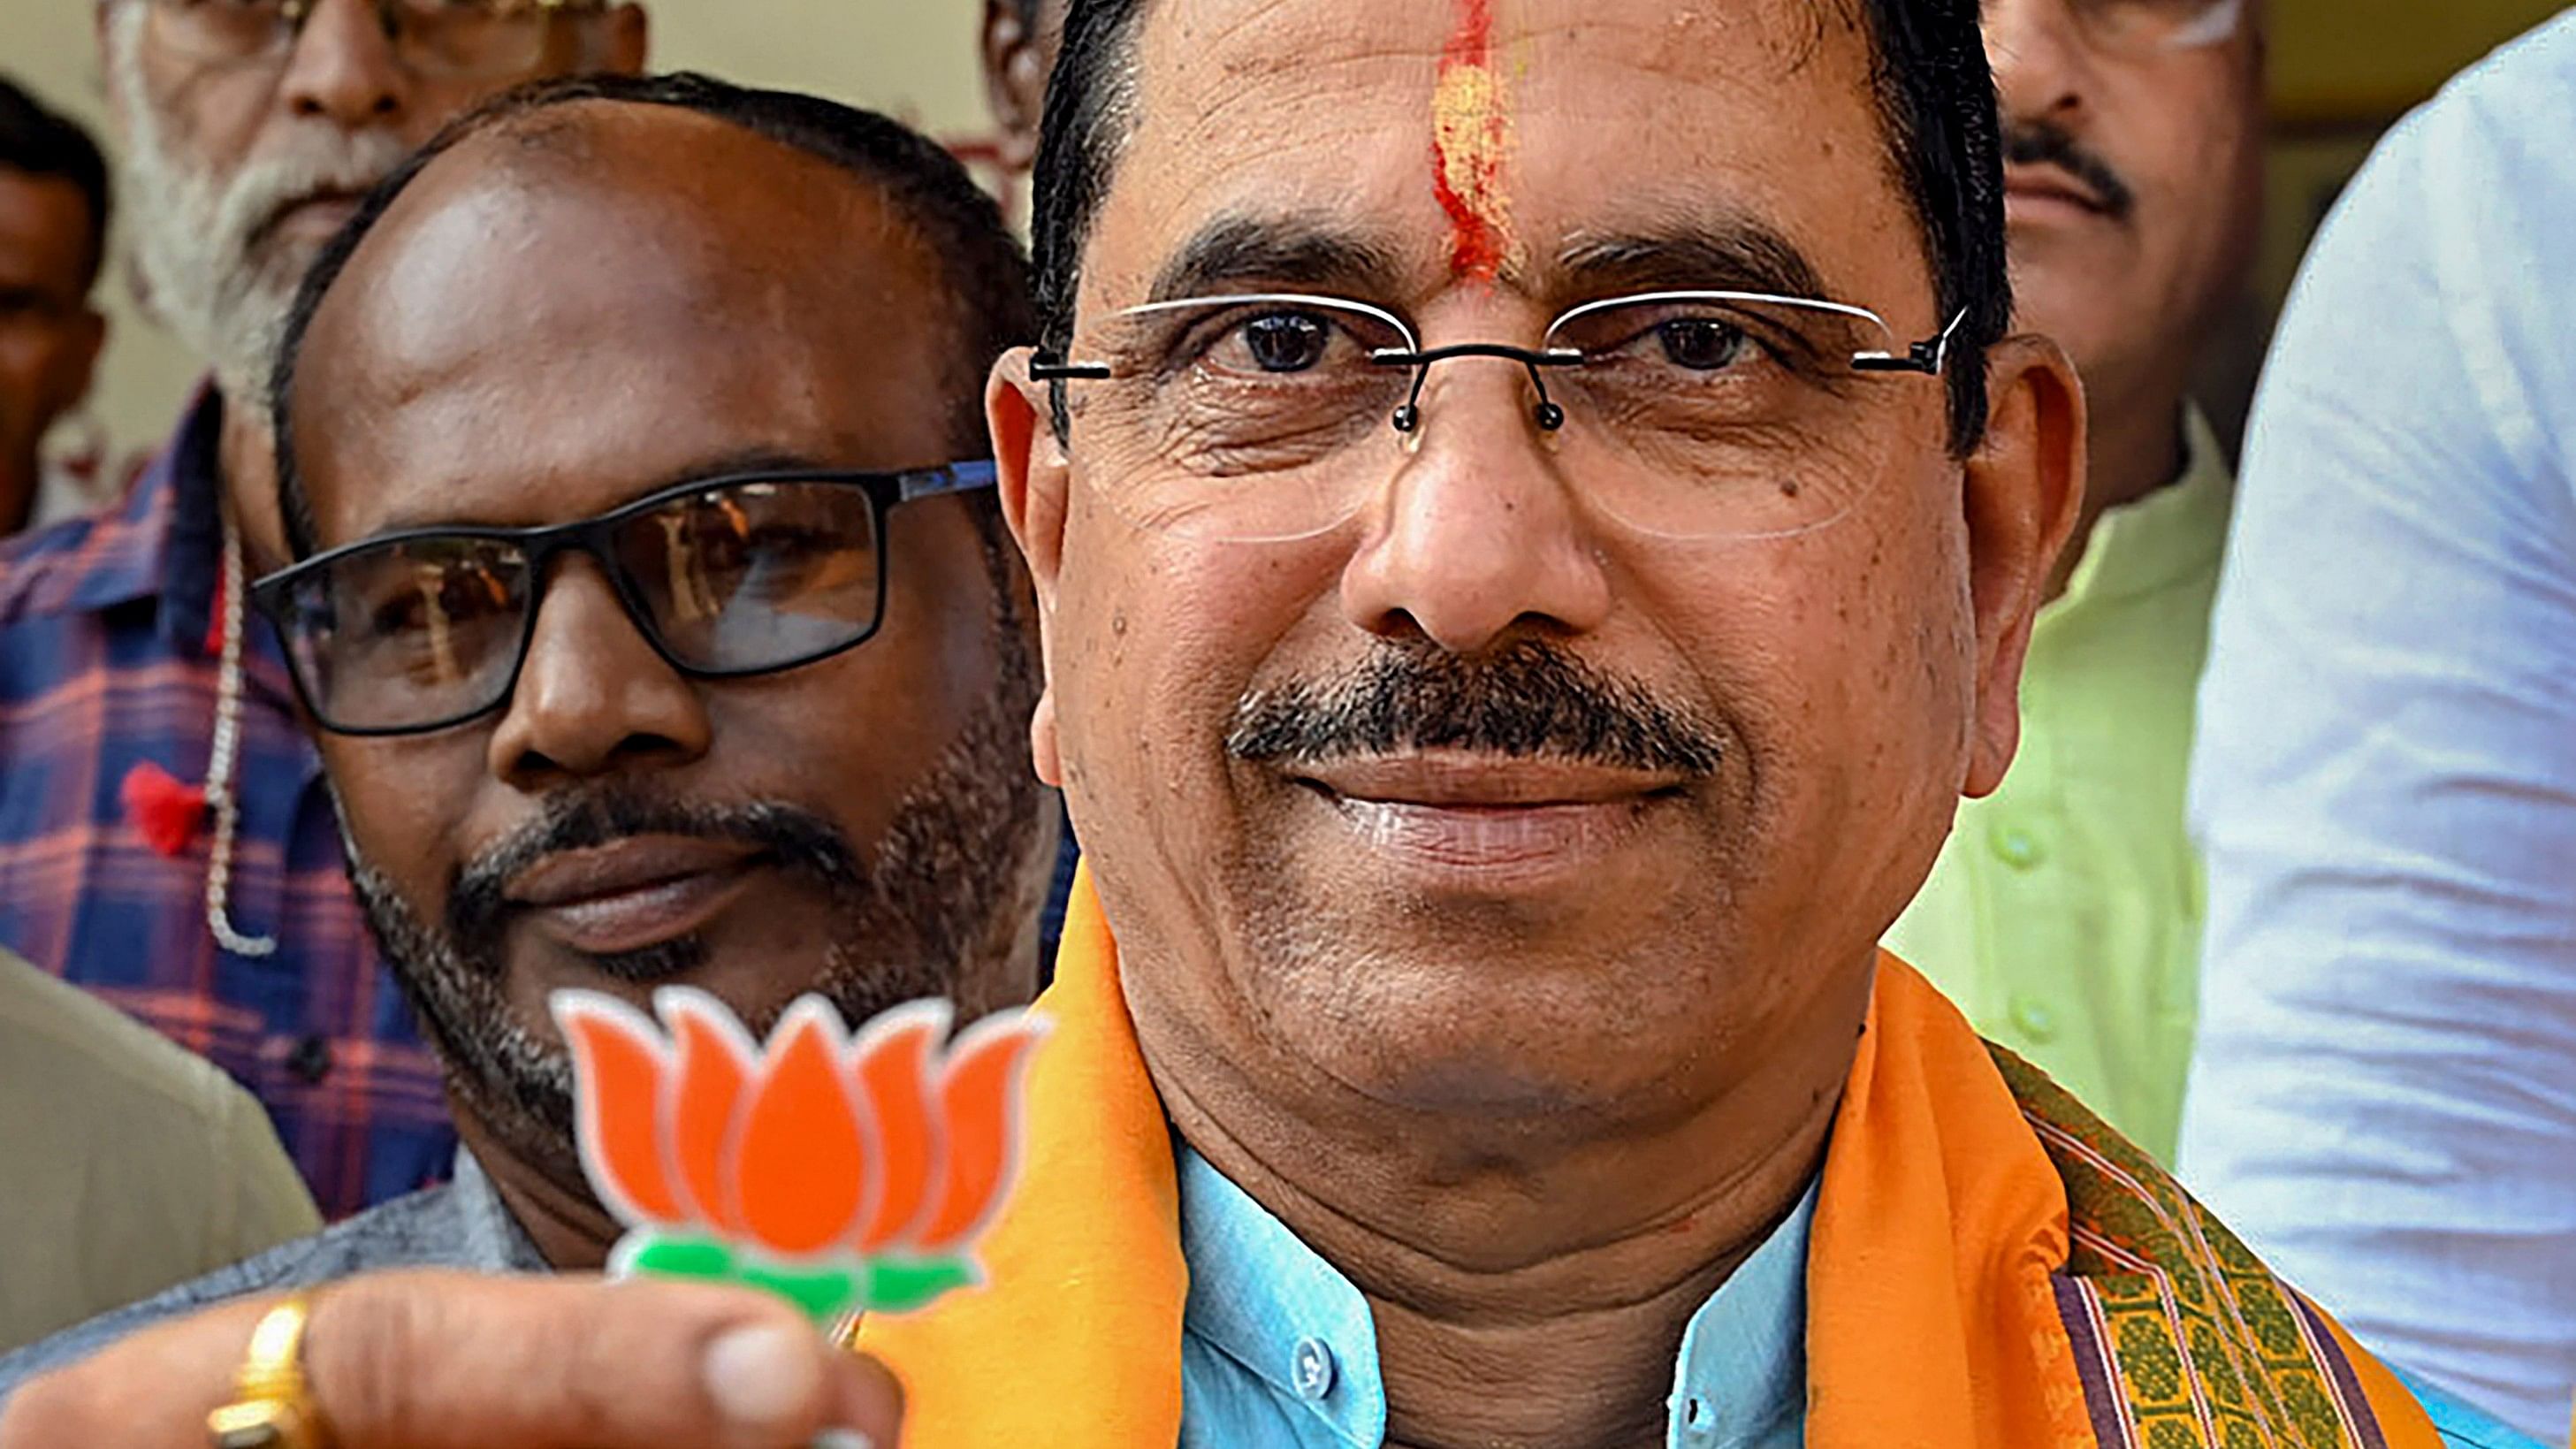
(411, 634)
(756, 575)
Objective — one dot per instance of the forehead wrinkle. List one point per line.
(1215, 78)
(1767, 40)
(1186, 82)
(1209, 116)
(1674, 44)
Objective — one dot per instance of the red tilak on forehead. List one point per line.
(1468, 131)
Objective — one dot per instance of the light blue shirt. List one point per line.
(2383, 1100)
(1278, 1350)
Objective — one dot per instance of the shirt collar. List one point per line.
(2176, 532)
(1742, 1375)
(175, 511)
(166, 532)
(192, 560)
(1272, 1305)
(493, 1240)
(1264, 1299)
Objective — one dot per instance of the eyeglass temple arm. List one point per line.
(952, 478)
(1043, 370)
(1930, 357)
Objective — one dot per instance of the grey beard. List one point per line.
(195, 237)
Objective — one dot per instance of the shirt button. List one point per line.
(1310, 1368)
(310, 1061)
(2019, 848)
(2036, 1018)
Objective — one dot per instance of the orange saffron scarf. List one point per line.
(1989, 1266)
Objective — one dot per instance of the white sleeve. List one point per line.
(2383, 1096)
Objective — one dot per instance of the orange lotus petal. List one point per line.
(716, 1061)
(800, 1164)
(618, 1064)
(979, 1102)
(895, 1067)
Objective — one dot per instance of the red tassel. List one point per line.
(165, 813)
(216, 603)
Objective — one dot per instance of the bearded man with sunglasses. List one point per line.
(165, 839)
(663, 626)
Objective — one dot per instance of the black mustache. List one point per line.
(2042, 143)
(1531, 699)
(798, 839)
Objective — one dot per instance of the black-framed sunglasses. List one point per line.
(749, 573)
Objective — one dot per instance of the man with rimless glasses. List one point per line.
(655, 608)
(165, 839)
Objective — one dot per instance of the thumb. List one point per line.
(455, 1361)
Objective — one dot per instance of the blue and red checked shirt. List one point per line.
(106, 665)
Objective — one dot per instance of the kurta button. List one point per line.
(311, 1060)
(2037, 1020)
(1310, 1368)
(2019, 848)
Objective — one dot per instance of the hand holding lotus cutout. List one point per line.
(845, 1172)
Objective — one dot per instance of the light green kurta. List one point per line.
(126, 1164)
(2064, 914)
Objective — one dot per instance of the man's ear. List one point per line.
(1033, 475)
(1015, 80)
(2023, 490)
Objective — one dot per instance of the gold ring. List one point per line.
(273, 1406)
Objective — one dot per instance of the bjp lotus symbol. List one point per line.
(842, 1172)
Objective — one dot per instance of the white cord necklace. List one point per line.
(219, 765)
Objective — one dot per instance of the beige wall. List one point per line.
(913, 58)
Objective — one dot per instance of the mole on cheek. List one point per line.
(1469, 133)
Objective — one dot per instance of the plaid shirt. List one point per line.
(105, 664)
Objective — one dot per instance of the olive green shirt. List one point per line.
(2064, 915)
(126, 1164)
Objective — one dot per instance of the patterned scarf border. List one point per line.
(2182, 1337)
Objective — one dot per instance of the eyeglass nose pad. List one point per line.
(1550, 416)
(1409, 416)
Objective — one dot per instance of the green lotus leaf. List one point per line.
(705, 1259)
(899, 1285)
(820, 1292)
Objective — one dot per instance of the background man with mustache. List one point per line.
(578, 299)
(53, 241)
(165, 838)
(2064, 916)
